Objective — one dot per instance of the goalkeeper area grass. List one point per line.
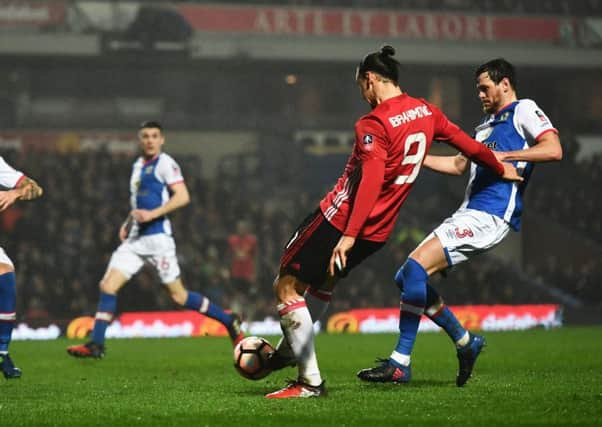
(534, 377)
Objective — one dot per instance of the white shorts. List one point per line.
(469, 232)
(159, 250)
(4, 259)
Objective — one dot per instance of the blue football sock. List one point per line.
(104, 315)
(440, 313)
(8, 304)
(196, 301)
(411, 277)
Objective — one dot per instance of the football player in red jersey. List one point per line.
(357, 216)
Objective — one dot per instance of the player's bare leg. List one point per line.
(297, 326)
(431, 255)
(197, 302)
(110, 285)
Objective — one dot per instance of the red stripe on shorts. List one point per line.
(298, 244)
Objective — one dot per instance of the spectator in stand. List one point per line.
(242, 251)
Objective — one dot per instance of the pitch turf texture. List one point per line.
(532, 377)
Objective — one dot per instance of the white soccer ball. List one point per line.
(251, 357)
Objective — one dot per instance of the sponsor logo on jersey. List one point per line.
(409, 115)
(490, 144)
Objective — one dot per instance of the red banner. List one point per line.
(30, 13)
(391, 24)
(190, 323)
(153, 324)
(485, 317)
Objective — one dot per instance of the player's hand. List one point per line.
(510, 173)
(500, 155)
(123, 232)
(7, 198)
(142, 215)
(338, 259)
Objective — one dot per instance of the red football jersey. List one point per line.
(390, 144)
(243, 249)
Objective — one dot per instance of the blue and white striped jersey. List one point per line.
(515, 127)
(149, 189)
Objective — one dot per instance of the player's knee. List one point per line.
(285, 288)
(107, 287)
(6, 268)
(179, 297)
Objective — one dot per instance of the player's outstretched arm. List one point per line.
(449, 165)
(547, 149)
(179, 197)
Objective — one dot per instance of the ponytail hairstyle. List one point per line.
(382, 63)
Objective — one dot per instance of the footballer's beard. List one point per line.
(488, 108)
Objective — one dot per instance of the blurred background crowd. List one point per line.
(260, 119)
(231, 236)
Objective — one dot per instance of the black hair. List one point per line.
(498, 69)
(381, 62)
(150, 124)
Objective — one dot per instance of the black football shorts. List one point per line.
(307, 253)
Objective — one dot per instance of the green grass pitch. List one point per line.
(535, 377)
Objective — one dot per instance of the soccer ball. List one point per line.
(251, 357)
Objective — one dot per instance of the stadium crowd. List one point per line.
(62, 244)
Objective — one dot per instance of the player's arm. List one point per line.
(483, 156)
(125, 228)
(547, 149)
(179, 197)
(450, 133)
(373, 157)
(373, 173)
(26, 189)
(449, 165)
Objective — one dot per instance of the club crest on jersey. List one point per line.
(367, 140)
(148, 170)
(504, 116)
